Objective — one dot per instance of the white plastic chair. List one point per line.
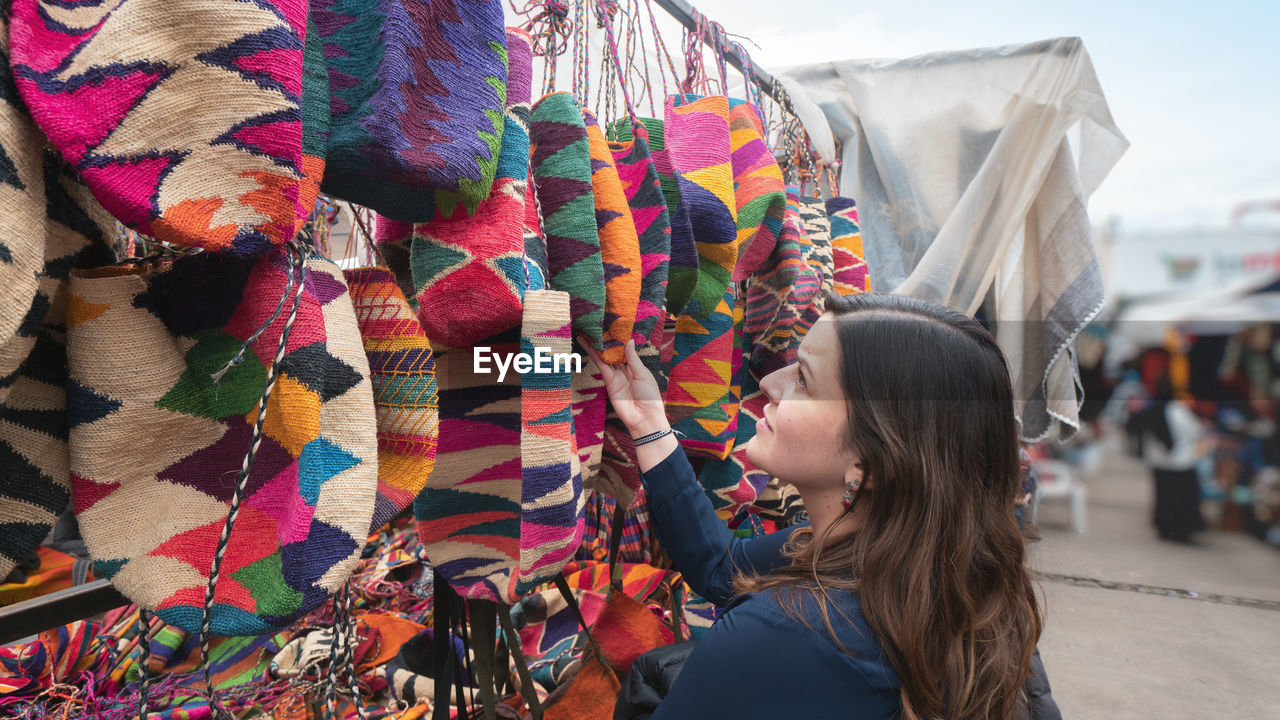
(1054, 479)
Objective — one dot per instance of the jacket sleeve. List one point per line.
(702, 548)
(757, 663)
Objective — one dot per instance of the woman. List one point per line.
(906, 595)
(1171, 435)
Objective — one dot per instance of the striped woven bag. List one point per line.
(757, 189)
(817, 228)
(619, 245)
(251, 365)
(561, 163)
(418, 91)
(402, 370)
(781, 296)
(551, 503)
(704, 389)
(469, 512)
(35, 482)
(697, 134)
(643, 188)
(682, 273)
(851, 274)
(468, 270)
(102, 79)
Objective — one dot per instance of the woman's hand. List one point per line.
(633, 392)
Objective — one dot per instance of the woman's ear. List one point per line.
(854, 476)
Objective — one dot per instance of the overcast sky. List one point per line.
(1194, 86)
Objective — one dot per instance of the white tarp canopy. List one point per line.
(972, 171)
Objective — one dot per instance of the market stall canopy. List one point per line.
(972, 171)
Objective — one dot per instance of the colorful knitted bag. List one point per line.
(757, 188)
(735, 481)
(402, 370)
(697, 133)
(780, 296)
(817, 228)
(706, 385)
(851, 274)
(682, 274)
(590, 405)
(418, 91)
(619, 245)
(469, 512)
(561, 162)
(170, 439)
(230, 174)
(551, 500)
(468, 270)
(642, 186)
(35, 484)
(619, 475)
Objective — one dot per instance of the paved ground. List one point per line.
(1133, 653)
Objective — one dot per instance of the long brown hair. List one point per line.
(938, 564)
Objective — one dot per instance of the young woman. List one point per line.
(906, 595)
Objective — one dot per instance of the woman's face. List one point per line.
(801, 438)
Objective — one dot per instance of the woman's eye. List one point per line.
(800, 377)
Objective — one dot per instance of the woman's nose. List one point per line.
(773, 383)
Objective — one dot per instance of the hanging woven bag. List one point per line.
(468, 270)
(817, 228)
(229, 174)
(705, 383)
(238, 418)
(757, 188)
(619, 245)
(418, 92)
(402, 370)
(851, 276)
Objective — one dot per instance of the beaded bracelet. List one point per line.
(652, 436)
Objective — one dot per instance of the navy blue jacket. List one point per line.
(757, 661)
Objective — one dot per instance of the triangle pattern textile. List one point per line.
(619, 245)
(850, 265)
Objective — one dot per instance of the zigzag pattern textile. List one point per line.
(418, 90)
(619, 475)
(643, 188)
(817, 228)
(735, 482)
(780, 298)
(102, 77)
(309, 497)
(551, 499)
(468, 270)
(682, 274)
(519, 89)
(469, 512)
(560, 156)
(590, 406)
(705, 385)
(402, 369)
(619, 245)
(851, 275)
(697, 134)
(757, 187)
(72, 231)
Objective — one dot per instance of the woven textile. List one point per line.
(619, 245)
(735, 481)
(34, 477)
(170, 440)
(619, 474)
(705, 385)
(590, 403)
(418, 91)
(560, 156)
(469, 512)
(817, 228)
(102, 79)
(781, 296)
(850, 265)
(697, 133)
(682, 274)
(757, 188)
(468, 270)
(643, 188)
(402, 370)
(551, 500)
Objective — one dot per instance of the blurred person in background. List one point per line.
(1172, 446)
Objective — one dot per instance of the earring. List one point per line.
(850, 492)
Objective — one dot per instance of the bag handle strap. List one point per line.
(483, 617)
(562, 584)
(522, 665)
(442, 655)
(615, 545)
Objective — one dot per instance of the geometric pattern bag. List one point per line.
(161, 424)
(619, 245)
(705, 385)
(403, 373)
(757, 185)
(817, 228)
(780, 295)
(851, 274)
(230, 173)
(417, 94)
